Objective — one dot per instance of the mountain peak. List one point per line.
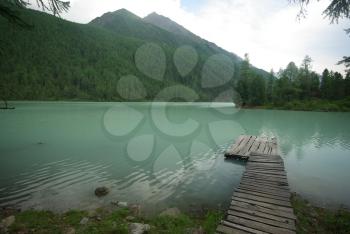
(166, 24)
(123, 11)
(111, 16)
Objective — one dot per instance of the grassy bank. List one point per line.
(313, 219)
(312, 105)
(110, 221)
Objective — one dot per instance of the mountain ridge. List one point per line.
(59, 59)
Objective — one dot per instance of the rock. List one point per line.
(114, 203)
(172, 212)
(114, 224)
(92, 213)
(135, 209)
(122, 204)
(101, 191)
(138, 228)
(194, 230)
(129, 218)
(7, 222)
(84, 221)
(69, 230)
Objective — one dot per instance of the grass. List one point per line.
(310, 219)
(313, 219)
(32, 221)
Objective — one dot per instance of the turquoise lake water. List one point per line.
(54, 154)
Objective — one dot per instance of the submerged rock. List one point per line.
(172, 212)
(101, 191)
(138, 228)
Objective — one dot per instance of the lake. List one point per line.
(54, 154)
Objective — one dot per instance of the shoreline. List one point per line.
(124, 219)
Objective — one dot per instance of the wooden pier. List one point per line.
(261, 203)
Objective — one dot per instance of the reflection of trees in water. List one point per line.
(296, 129)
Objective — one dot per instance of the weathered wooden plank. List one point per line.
(265, 161)
(262, 194)
(240, 227)
(243, 143)
(254, 211)
(266, 178)
(255, 153)
(264, 220)
(262, 174)
(274, 166)
(262, 199)
(274, 169)
(272, 181)
(265, 187)
(256, 171)
(265, 164)
(267, 148)
(259, 226)
(266, 210)
(229, 230)
(246, 148)
(264, 204)
(263, 182)
(236, 144)
(255, 145)
(260, 189)
(278, 185)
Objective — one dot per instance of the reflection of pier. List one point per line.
(261, 203)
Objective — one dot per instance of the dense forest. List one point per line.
(59, 60)
(297, 88)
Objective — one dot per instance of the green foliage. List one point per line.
(42, 220)
(311, 219)
(211, 221)
(109, 222)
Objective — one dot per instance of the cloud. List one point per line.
(266, 29)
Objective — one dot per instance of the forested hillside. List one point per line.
(61, 60)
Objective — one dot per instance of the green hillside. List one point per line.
(61, 60)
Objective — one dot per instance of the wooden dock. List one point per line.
(261, 203)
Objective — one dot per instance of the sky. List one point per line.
(268, 30)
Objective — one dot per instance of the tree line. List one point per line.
(295, 87)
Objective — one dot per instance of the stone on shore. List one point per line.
(84, 221)
(7, 222)
(172, 212)
(138, 228)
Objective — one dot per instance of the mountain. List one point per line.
(58, 59)
(168, 25)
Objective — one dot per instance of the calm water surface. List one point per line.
(53, 155)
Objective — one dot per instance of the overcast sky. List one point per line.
(266, 29)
